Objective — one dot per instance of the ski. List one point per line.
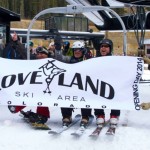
(59, 131)
(81, 129)
(98, 130)
(64, 128)
(111, 131)
(35, 125)
(40, 126)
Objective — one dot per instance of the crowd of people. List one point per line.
(68, 54)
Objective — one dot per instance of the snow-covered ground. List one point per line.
(17, 135)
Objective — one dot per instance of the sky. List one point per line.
(18, 135)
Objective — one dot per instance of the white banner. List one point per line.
(104, 82)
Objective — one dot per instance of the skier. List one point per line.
(79, 52)
(42, 113)
(106, 49)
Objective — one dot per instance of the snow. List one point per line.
(18, 135)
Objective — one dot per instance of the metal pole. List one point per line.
(76, 9)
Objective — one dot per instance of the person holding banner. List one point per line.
(42, 113)
(51, 50)
(79, 52)
(106, 49)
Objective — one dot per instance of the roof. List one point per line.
(8, 15)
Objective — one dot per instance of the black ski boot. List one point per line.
(27, 115)
(36, 118)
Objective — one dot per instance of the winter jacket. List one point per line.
(14, 50)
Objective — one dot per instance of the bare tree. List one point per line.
(22, 8)
(29, 8)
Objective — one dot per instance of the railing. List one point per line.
(77, 9)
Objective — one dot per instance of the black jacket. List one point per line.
(14, 50)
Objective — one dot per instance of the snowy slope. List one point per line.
(17, 135)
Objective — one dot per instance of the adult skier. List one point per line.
(79, 52)
(106, 49)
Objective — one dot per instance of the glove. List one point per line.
(145, 106)
(66, 45)
(65, 50)
(58, 42)
(146, 60)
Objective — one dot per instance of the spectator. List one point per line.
(79, 52)
(51, 49)
(14, 49)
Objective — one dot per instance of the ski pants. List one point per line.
(99, 112)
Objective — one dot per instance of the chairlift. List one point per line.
(76, 9)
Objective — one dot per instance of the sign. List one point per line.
(106, 82)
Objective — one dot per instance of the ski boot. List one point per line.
(67, 120)
(113, 121)
(100, 120)
(38, 121)
(26, 115)
(36, 118)
(84, 122)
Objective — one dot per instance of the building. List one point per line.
(6, 16)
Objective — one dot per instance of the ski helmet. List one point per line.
(79, 45)
(106, 41)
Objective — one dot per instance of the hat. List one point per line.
(108, 42)
(42, 50)
(51, 44)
